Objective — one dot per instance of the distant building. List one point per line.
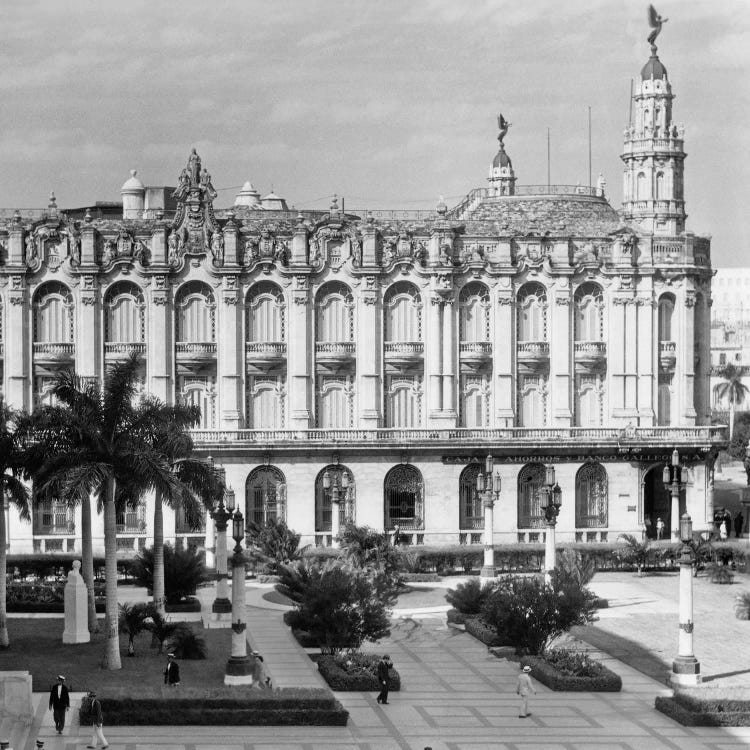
(393, 350)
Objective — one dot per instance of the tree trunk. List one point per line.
(112, 645)
(4, 640)
(731, 421)
(158, 582)
(87, 562)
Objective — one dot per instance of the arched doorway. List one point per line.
(323, 497)
(471, 511)
(657, 501)
(265, 495)
(404, 498)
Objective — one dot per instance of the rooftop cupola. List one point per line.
(653, 190)
(133, 197)
(502, 178)
(248, 196)
(273, 202)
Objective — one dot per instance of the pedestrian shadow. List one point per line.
(710, 677)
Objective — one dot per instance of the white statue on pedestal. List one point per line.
(76, 608)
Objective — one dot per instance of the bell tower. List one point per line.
(502, 178)
(653, 189)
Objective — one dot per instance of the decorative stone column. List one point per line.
(488, 565)
(239, 669)
(221, 609)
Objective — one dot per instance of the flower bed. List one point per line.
(707, 707)
(354, 672)
(482, 632)
(576, 673)
(162, 706)
(420, 577)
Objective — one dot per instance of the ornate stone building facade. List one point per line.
(394, 350)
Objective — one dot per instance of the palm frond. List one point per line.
(17, 493)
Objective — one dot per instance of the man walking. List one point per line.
(98, 720)
(383, 666)
(172, 672)
(59, 703)
(524, 686)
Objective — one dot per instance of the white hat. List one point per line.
(172, 655)
(527, 668)
(61, 677)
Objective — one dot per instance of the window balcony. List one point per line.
(335, 353)
(590, 354)
(264, 353)
(475, 352)
(533, 354)
(403, 352)
(53, 352)
(667, 355)
(114, 350)
(195, 352)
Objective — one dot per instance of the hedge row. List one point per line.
(361, 680)
(58, 564)
(482, 632)
(241, 706)
(676, 709)
(47, 607)
(606, 682)
(456, 616)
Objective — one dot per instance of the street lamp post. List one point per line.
(336, 484)
(673, 478)
(239, 670)
(488, 490)
(686, 669)
(221, 609)
(553, 496)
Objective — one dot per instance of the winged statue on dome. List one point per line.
(656, 22)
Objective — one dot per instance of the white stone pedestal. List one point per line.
(217, 619)
(76, 608)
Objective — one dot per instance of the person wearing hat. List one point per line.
(524, 686)
(59, 702)
(98, 722)
(172, 672)
(383, 666)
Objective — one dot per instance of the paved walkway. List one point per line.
(456, 696)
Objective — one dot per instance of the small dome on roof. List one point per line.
(132, 185)
(653, 69)
(248, 196)
(273, 202)
(501, 159)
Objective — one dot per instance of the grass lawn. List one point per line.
(36, 646)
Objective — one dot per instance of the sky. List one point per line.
(390, 104)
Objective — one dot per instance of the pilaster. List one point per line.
(686, 356)
(369, 354)
(231, 353)
(17, 348)
(648, 365)
(88, 340)
(503, 347)
(433, 358)
(299, 355)
(560, 365)
(161, 340)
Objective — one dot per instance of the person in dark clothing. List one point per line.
(98, 722)
(172, 672)
(739, 524)
(59, 702)
(383, 666)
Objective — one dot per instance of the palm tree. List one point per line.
(101, 449)
(198, 485)
(12, 460)
(733, 389)
(133, 620)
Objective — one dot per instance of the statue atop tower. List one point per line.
(502, 179)
(655, 21)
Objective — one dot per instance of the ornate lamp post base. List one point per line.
(487, 572)
(239, 671)
(220, 615)
(686, 671)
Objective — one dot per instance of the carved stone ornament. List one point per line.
(690, 300)
(159, 298)
(88, 299)
(565, 301)
(16, 299)
(369, 298)
(504, 300)
(230, 298)
(299, 299)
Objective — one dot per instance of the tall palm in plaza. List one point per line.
(733, 389)
(12, 460)
(95, 443)
(198, 487)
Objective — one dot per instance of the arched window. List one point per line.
(403, 402)
(532, 402)
(265, 403)
(641, 194)
(324, 497)
(589, 307)
(53, 314)
(530, 501)
(404, 498)
(666, 311)
(334, 313)
(591, 497)
(474, 310)
(474, 397)
(588, 411)
(471, 511)
(333, 404)
(196, 313)
(532, 306)
(198, 392)
(660, 192)
(403, 313)
(266, 312)
(124, 314)
(265, 495)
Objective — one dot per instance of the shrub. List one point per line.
(635, 552)
(469, 597)
(548, 674)
(573, 663)
(184, 571)
(337, 603)
(572, 567)
(185, 643)
(355, 671)
(372, 551)
(483, 632)
(274, 543)
(719, 573)
(529, 613)
(133, 620)
(707, 707)
(159, 626)
(742, 606)
(456, 617)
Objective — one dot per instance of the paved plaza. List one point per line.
(457, 696)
